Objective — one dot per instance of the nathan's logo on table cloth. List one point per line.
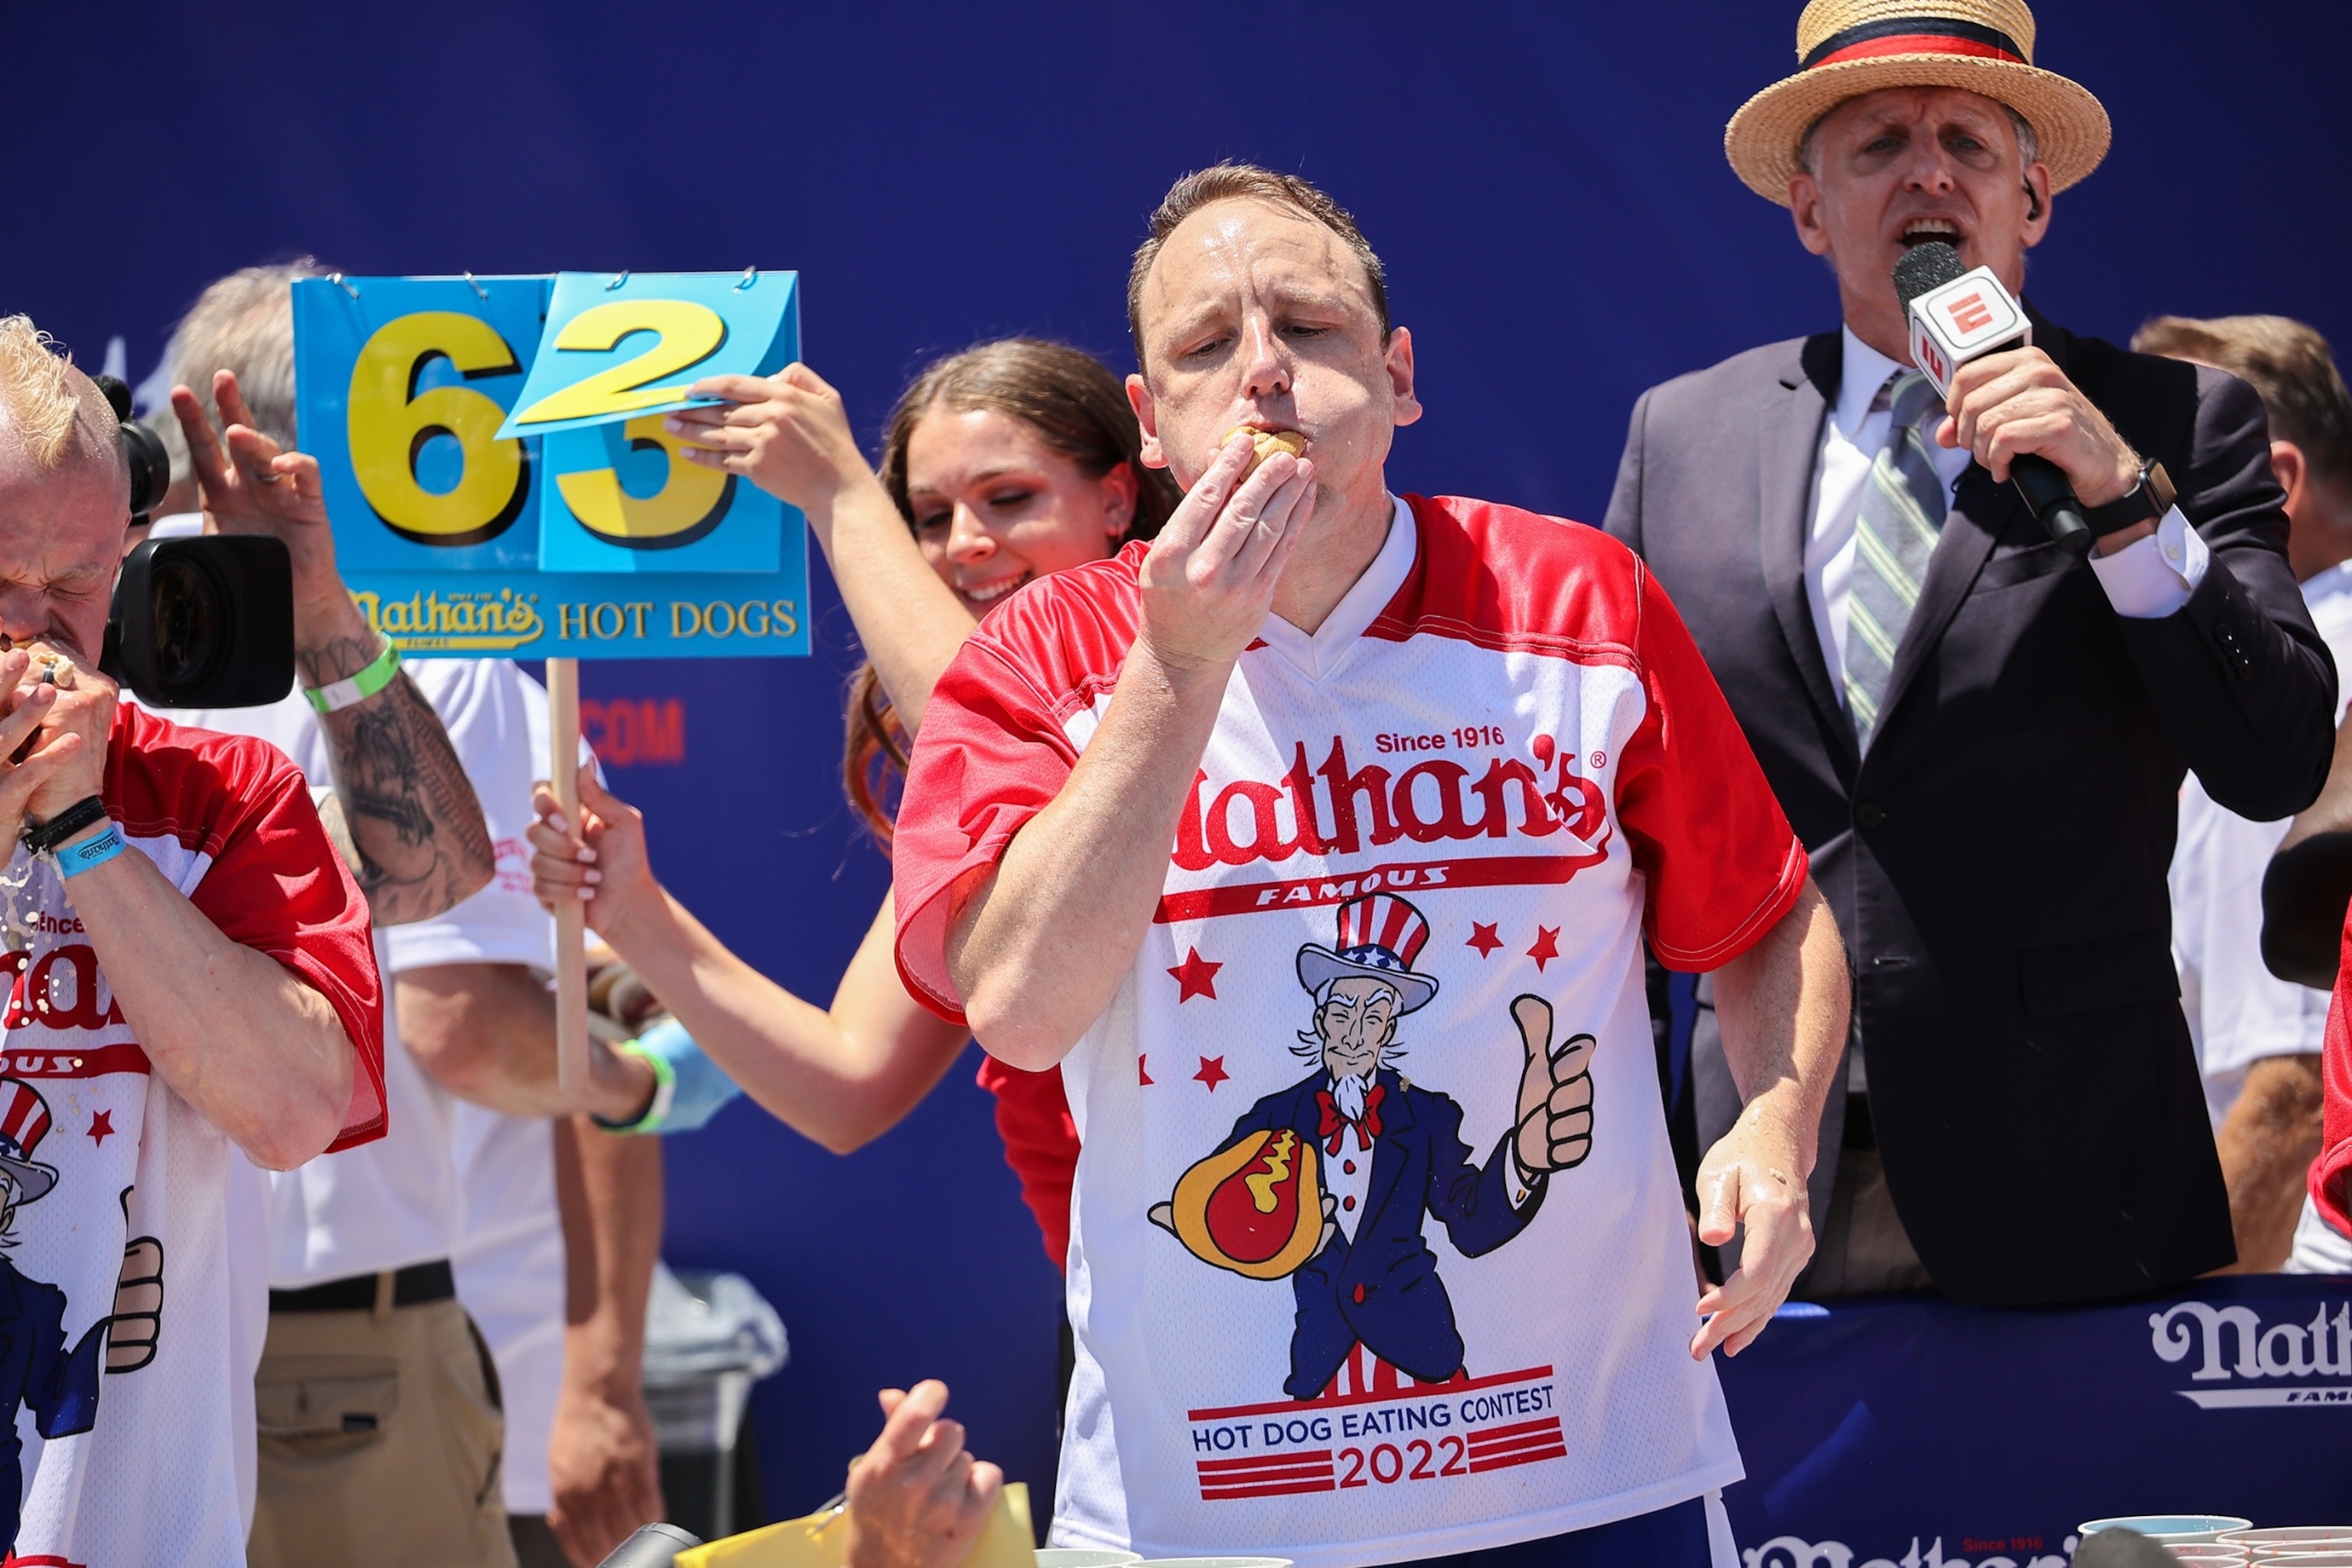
(1328, 1183)
(2228, 1343)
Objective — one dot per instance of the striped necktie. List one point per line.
(1902, 516)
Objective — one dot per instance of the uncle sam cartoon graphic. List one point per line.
(1330, 1179)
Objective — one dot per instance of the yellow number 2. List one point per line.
(390, 423)
(689, 334)
(689, 504)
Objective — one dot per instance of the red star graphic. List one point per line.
(1213, 1072)
(102, 1127)
(1196, 976)
(1546, 947)
(1484, 939)
(1142, 1075)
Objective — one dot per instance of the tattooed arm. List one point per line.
(406, 817)
(404, 814)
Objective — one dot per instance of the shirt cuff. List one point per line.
(2150, 578)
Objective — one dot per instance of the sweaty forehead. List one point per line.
(56, 521)
(1244, 244)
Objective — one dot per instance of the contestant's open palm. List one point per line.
(252, 487)
(598, 861)
(1209, 580)
(1555, 1122)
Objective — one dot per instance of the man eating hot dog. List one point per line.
(1149, 802)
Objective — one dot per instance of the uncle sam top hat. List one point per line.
(24, 1122)
(1848, 47)
(1379, 935)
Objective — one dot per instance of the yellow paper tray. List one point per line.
(819, 1540)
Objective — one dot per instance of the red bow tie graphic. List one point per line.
(1335, 1126)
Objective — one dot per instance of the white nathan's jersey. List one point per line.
(116, 1293)
(1326, 1305)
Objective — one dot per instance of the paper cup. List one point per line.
(2211, 1556)
(1084, 1557)
(2297, 1536)
(2171, 1528)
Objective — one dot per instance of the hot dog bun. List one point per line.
(1268, 442)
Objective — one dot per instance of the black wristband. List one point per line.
(2145, 501)
(43, 837)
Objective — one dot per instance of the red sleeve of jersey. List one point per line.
(1722, 861)
(990, 757)
(2327, 1172)
(276, 883)
(1041, 1145)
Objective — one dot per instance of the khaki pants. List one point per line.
(380, 1442)
(1863, 1247)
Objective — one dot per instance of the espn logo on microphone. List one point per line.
(1964, 320)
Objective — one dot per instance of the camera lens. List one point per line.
(149, 467)
(191, 633)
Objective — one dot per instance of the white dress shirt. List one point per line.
(2146, 580)
(2239, 1012)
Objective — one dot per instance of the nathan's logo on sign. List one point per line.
(1329, 808)
(2230, 1343)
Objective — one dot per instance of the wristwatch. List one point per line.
(2144, 502)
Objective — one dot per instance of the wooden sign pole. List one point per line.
(571, 918)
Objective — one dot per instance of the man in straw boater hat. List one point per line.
(1979, 736)
(1157, 796)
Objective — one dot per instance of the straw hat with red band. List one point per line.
(1848, 47)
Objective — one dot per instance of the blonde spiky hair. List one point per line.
(38, 394)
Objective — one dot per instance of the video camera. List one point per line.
(195, 623)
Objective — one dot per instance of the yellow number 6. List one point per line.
(390, 422)
(689, 334)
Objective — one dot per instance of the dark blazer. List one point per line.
(1997, 862)
(1383, 1290)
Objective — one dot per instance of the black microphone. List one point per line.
(1958, 315)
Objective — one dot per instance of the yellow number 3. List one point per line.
(689, 334)
(690, 503)
(390, 422)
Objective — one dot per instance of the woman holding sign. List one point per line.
(1007, 462)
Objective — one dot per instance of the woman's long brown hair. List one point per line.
(1076, 406)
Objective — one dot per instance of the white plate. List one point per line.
(2171, 1527)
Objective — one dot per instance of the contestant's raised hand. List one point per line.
(1209, 580)
(1751, 1179)
(598, 861)
(916, 1500)
(74, 722)
(23, 705)
(786, 433)
(254, 487)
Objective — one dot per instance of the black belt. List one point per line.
(410, 1286)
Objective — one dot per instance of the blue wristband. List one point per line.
(73, 859)
(688, 1087)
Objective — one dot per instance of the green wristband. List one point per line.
(336, 696)
(665, 1091)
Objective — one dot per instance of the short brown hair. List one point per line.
(1247, 181)
(1076, 406)
(2289, 364)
